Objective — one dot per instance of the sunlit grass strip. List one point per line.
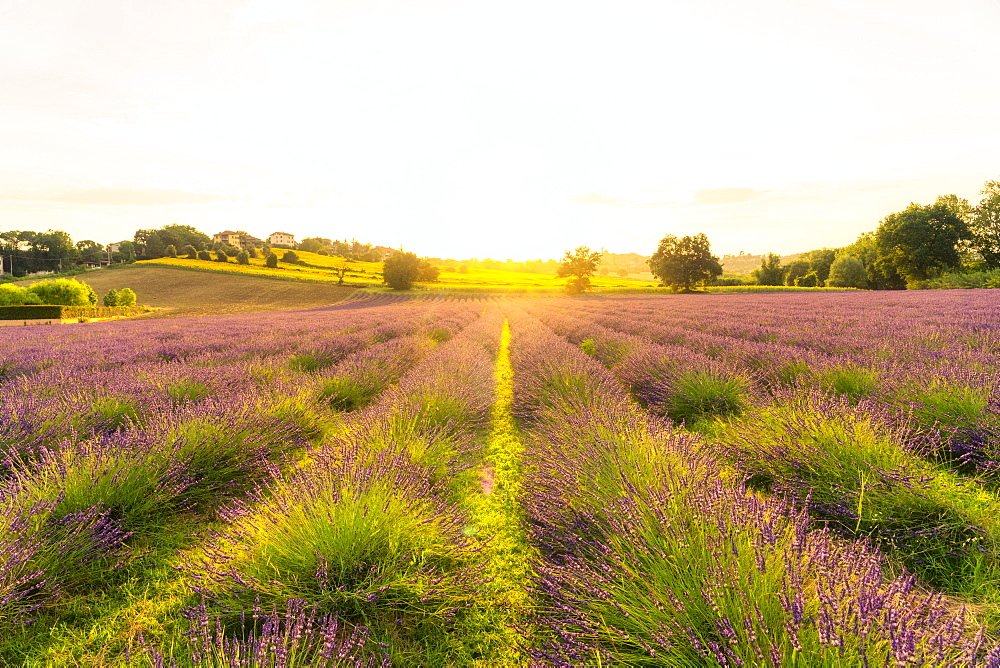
(497, 515)
(291, 274)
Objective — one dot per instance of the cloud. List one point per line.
(726, 196)
(121, 197)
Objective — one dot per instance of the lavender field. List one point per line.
(711, 480)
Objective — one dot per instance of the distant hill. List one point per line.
(744, 264)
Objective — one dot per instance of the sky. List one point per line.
(505, 129)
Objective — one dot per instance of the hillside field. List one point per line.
(507, 481)
(322, 268)
(175, 292)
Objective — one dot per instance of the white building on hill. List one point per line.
(281, 238)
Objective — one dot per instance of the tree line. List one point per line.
(24, 252)
(909, 248)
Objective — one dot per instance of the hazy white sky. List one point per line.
(514, 128)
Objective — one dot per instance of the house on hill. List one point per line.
(228, 238)
(281, 239)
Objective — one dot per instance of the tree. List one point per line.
(578, 266)
(428, 272)
(126, 297)
(204, 255)
(400, 270)
(879, 278)
(90, 251)
(179, 236)
(847, 272)
(314, 244)
(53, 250)
(684, 263)
(810, 280)
(920, 241)
(149, 244)
(243, 257)
(290, 257)
(111, 299)
(820, 262)
(253, 252)
(190, 252)
(170, 251)
(221, 255)
(623, 272)
(770, 271)
(985, 225)
(271, 261)
(796, 269)
(126, 251)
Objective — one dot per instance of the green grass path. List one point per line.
(500, 620)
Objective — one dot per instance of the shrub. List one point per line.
(309, 362)
(191, 252)
(252, 252)
(700, 395)
(111, 299)
(366, 539)
(64, 292)
(851, 382)
(271, 261)
(126, 297)
(290, 257)
(810, 280)
(243, 257)
(348, 394)
(16, 295)
(170, 251)
(856, 473)
(204, 255)
(221, 255)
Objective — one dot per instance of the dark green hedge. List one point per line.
(30, 312)
(47, 312)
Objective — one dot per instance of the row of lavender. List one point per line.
(112, 436)
(654, 552)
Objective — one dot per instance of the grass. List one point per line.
(497, 621)
(700, 395)
(366, 539)
(857, 476)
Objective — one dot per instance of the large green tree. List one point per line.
(685, 263)
(985, 225)
(90, 251)
(795, 269)
(401, 270)
(920, 241)
(820, 261)
(770, 271)
(578, 266)
(847, 271)
(180, 236)
(879, 277)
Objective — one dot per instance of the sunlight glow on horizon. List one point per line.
(485, 129)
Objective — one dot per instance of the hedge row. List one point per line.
(47, 312)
